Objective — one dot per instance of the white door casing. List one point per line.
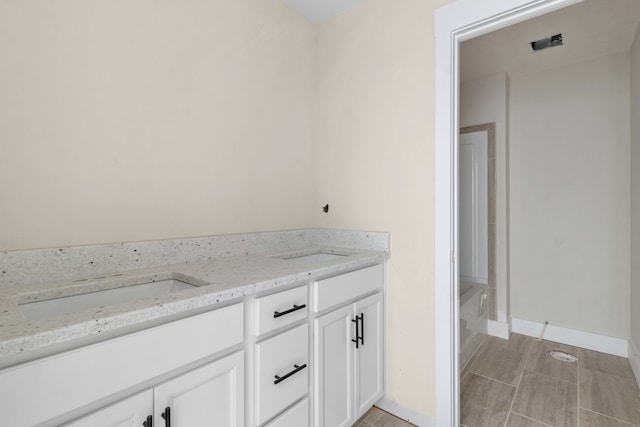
(454, 23)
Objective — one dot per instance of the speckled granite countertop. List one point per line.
(219, 280)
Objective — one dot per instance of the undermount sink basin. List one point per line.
(317, 257)
(55, 307)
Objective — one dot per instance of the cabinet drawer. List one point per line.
(281, 309)
(282, 372)
(342, 288)
(298, 416)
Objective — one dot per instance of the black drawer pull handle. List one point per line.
(148, 422)
(167, 416)
(277, 314)
(287, 375)
(357, 338)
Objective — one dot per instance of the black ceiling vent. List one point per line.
(547, 42)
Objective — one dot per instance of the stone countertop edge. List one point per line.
(220, 280)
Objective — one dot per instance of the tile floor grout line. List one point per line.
(477, 354)
(599, 372)
(493, 379)
(513, 399)
(596, 369)
(532, 419)
(579, 364)
(551, 376)
(608, 416)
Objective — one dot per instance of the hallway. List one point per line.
(516, 383)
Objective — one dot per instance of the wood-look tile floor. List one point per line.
(378, 418)
(516, 383)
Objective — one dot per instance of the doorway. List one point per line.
(462, 20)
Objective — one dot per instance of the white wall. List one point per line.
(375, 166)
(134, 119)
(569, 196)
(634, 355)
(486, 100)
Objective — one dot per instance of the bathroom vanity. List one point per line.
(280, 339)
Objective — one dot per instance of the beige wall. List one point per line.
(569, 196)
(129, 120)
(486, 100)
(635, 198)
(375, 166)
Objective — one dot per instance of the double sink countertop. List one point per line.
(214, 282)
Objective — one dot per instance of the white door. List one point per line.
(211, 396)
(369, 354)
(474, 243)
(333, 369)
(129, 412)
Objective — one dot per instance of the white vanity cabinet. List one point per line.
(213, 393)
(348, 347)
(49, 391)
(309, 355)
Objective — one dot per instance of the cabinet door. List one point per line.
(132, 411)
(209, 396)
(333, 368)
(370, 353)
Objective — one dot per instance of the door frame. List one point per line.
(455, 23)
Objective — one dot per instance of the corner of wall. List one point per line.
(634, 359)
(634, 319)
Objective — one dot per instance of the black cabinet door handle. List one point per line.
(148, 422)
(362, 328)
(288, 374)
(357, 338)
(167, 416)
(277, 314)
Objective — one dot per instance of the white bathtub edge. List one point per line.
(588, 340)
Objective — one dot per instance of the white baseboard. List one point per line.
(634, 360)
(405, 413)
(588, 340)
(499, 329)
